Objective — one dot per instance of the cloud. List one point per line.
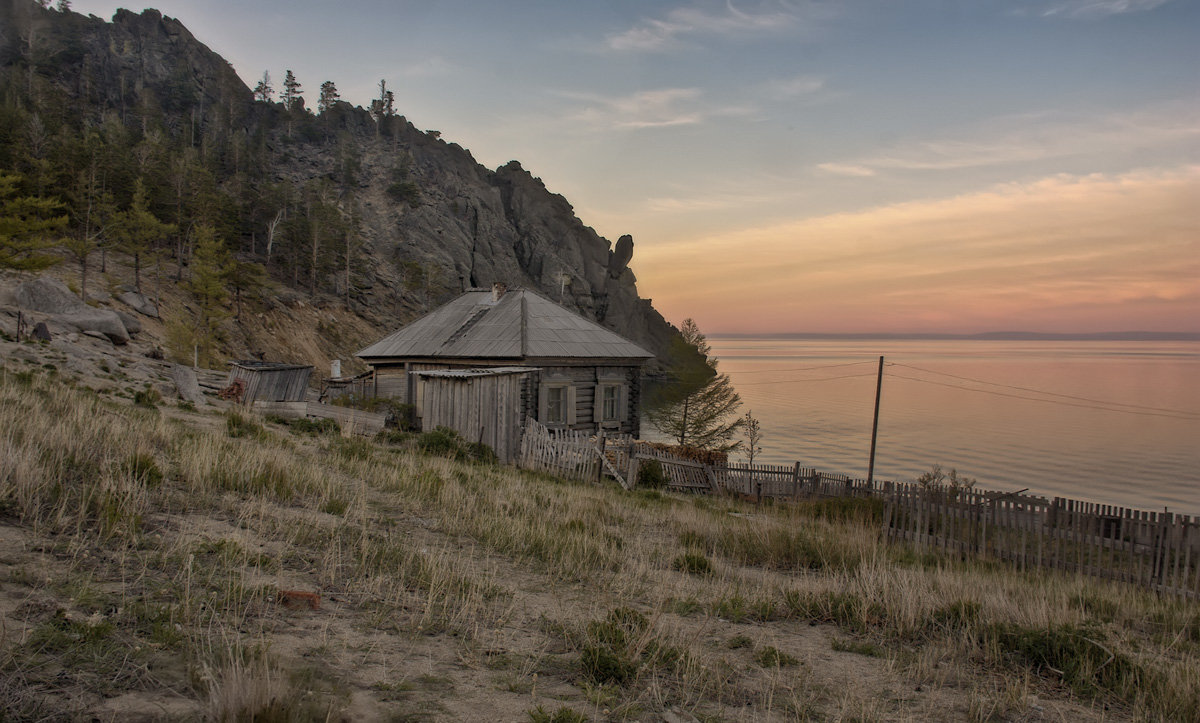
(1066, 253)
(847, 169)
(656, 34)
(1034, 137)
(1091, 9)
(799, 86)
(661, 108)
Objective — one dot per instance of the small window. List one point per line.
(610, 403)
(556, 405)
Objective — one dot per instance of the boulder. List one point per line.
(103, 321)
(47, 295)
(41, 332)
(186, 383)
(139, 303)
(132, 325)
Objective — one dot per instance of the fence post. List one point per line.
(631, 476)
(758, 492)
(1160, 549)
(796, 481)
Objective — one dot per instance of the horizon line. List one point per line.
(980, 336)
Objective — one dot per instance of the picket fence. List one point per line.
(1159, 551)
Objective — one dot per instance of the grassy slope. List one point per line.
(142, 550)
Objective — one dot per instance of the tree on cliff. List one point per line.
(263, 91)
(699, 407)
(329, 96)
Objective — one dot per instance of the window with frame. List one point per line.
(556, 405)
(610, 403)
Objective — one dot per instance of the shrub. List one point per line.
(650, 475)
(238, 426)
(148, 397)
(693, 563)
(772, 657)
(562, 715)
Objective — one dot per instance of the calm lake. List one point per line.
(1110, 422)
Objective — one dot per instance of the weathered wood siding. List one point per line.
(486, 409)
(283, 384)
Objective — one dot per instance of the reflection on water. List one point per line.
(1109, 422)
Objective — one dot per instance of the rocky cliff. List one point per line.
(429, 221)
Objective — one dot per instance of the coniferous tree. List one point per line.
(210, 268)
(291, 92)
(699, 408)
(29, 227)
(136, 230)
(263, 91)
(329, 96)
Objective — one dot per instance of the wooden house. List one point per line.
(576, 374)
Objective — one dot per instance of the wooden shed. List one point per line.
(270, 381)
(588, 377)
(482, 405)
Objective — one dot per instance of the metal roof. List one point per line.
(520, 325)
(474, 373)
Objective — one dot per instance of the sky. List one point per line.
(788, 166)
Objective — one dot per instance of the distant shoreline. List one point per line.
(986, 336)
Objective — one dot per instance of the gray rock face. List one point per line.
(130, 322)
(48, 296)
(139, 303)
(102, 321)
(620, 257)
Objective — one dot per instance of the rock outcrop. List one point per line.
(47, 295)
(432, 221)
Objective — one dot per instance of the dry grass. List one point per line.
(154, 545)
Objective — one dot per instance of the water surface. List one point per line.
(1110, 422)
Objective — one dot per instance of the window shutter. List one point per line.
(622, 403)
(543, 398)
(569, 399)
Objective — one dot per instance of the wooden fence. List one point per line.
(569, 454)
(1155, 550)
(352, 421)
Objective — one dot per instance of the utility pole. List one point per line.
(875, 425)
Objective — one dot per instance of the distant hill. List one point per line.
(344, 206)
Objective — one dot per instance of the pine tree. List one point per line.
(210, 268)
(263, 91)
(329, 96)
(291, 92)
(29, 227)
(136, 230)
(699, 408)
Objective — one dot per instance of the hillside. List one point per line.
(162, 561)
(351, 210)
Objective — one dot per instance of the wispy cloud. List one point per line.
(661, 108)
(1090, 9)
(799, 86)
(1033, 137)
(656, 34)
(847, 169)
(1066, 252)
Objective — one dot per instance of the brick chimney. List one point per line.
(498, 290)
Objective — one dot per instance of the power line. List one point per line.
(1176, 414)
(1105, 402)
(818, 379)
(802, 369)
